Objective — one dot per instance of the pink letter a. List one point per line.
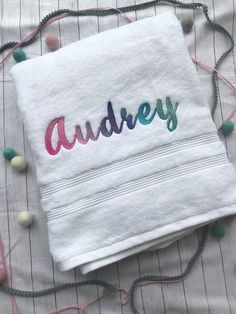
(62, 139)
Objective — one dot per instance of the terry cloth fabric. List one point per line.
(127, 155)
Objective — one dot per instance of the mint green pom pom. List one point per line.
(9, 153)
(218, 230)
(19, 55)
(227, 127)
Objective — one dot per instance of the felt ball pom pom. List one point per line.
(52, 42)
(25, 218)
(218, 230)
(3, 276)
(227, 127)
(19, 163)
(187, 23)
(19, 55)
(9, 153)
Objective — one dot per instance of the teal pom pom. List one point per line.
(19, 55)
(227, 127)
(218, 230)
(9, 153)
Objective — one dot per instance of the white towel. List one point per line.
(126, 152)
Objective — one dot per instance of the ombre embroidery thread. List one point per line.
(109, 125)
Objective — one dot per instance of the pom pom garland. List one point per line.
(19, 55)
(187, 23)
(9, 153)
(227, 127)
(52, 42)
(25, 218)
(218, 230)
(19, 163)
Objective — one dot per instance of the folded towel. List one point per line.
(127, 155)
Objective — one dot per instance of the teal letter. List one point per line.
(143, 112)
(172, 118)
(160, 111)
(170, 114)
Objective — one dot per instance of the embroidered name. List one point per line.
(109, 125)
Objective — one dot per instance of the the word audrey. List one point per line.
(110, 124)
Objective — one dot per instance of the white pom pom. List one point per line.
(25, 218)
(19, 163)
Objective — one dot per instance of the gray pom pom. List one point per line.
(187, 23)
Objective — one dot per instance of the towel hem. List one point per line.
(192, 221)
